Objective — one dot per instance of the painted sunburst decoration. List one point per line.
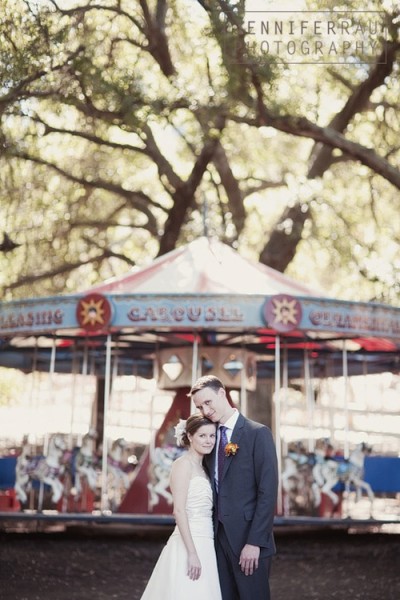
(282, 312)
(93, 312)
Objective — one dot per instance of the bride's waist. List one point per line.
(199, 526)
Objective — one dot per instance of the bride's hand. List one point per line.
(194, 566)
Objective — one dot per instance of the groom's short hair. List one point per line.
(210, 381)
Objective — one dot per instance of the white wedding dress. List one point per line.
(169, 580)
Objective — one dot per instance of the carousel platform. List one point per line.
(32, 520)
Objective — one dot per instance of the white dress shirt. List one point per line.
(229, 424)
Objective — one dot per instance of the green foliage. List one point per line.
(11, 386)
(116, 113)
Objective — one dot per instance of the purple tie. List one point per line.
(221, 451)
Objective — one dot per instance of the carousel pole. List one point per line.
(278, 419)
(330, 392)
(345, 401)
(73, 394)
(84, 372)
(243, 388)
(116, 363)
(195, 366)
(52, 362)
(104, 491)
(33, 372)
(285, 385)
(46, 442)
(152, 444)
(243, 393)
(85, 359)
(85, 376)
(33, 388)
(195, 358)
(31, 403)
(310, 401)
(41, 484)
(346, 451)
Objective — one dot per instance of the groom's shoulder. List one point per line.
(253, 425)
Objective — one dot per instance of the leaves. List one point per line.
(128, 129)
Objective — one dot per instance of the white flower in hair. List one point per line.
(180, 430)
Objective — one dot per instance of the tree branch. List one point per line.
(184, 195)
(321, 157)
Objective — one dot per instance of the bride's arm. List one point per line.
(179, 483)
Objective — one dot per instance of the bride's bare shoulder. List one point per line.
(182, 463)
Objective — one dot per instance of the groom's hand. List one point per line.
(248, 560)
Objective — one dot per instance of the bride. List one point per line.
(187, 566)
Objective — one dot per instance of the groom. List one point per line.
(245, 491)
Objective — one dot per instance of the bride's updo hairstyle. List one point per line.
(194, 423)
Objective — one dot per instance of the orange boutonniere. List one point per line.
(231, 449)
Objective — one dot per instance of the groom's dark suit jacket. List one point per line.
(248, 488)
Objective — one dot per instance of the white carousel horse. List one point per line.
(296, 477)
(85, 463)
(21, 470)
(295, 458)
(324, 472)
(45, 469)
(118, 479)
(161, 463)
(352, 473)
(349, 472)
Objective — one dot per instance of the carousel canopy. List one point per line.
(204, 290)
(204, 267)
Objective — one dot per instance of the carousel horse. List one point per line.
(21, 469)
(161, 463)
(116, 465)
(324, 472)
(352, 472)
(297, 465)
(295, 458)
(44, 469)
(349, 472)
(84, 463)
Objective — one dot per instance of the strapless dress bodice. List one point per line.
(199, 505)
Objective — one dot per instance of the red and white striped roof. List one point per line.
(204, 266)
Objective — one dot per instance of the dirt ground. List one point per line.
(86, 564)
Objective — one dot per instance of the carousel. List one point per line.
(132, 347)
